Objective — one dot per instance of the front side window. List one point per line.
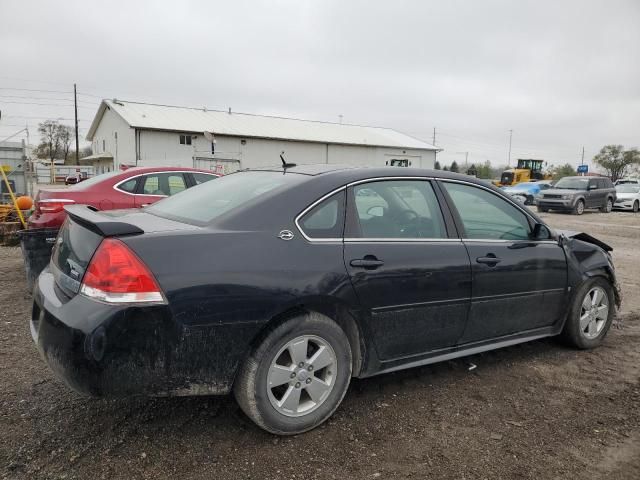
(325, 220)
(397, 209)
(485, 215)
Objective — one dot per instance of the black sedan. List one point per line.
(279, 285)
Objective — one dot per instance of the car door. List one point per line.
(594, 194)
(410, 272)
(519, 283)
(158, 185)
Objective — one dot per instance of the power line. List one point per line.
(33, 90)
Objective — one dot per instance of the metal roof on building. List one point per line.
(185, 119)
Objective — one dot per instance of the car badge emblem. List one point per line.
(286, 235)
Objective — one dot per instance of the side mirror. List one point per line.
(540, 232)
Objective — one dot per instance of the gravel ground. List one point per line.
(538, 410)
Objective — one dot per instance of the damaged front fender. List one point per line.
(588, 257)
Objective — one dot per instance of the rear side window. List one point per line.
(168, 184)
(325, 220)
(199, 178)
(397, 209)
(129, 186)
(486, 216)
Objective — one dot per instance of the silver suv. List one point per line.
(574, 194)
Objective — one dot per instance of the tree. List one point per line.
(454, 167)
(49, 146)
(484, 170)
(616, 161)
(445, 168)
(64, 135)
(565, 170)
(437, 166)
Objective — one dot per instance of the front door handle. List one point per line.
(490, 260)
(368, 262)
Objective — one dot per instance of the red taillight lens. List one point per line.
(116, 275)
(53, 205)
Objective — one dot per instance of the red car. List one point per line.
(134, 187)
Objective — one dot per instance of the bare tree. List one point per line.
(65, 136)
(49, 146)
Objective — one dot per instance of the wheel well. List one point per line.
(336, 312)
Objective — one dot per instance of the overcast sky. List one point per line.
(561, 74)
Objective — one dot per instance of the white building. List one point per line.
(144, 134)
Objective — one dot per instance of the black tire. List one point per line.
(543, 209)
(572, 332)
(578, 209)
(636, 206)
(608, 206)
(528, 200)
(250, 388)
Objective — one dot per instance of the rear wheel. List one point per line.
(579, 208)
(607, 206)
(591, 314)
(298, 375)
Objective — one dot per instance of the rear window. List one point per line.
(203, 203)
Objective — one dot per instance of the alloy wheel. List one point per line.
(594, 312)
(580, 207)
(301, 376)
(609, 206)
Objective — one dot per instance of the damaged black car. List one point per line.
(281, 284)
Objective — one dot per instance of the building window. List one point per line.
(213, 148)
(103, 146)
(185, 139)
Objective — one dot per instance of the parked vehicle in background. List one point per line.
(368, 271)
(575, 194)
(526, 192)
(134, 187)
(628, 197)
(74, 178)
(526, 170)
(632, 180)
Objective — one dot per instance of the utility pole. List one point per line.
(509, 157)
(75, 106)
(582, 161)
(434, 137)
(466, 157)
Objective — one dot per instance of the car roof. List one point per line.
(354, 173)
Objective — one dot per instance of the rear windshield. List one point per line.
(93, 180)
(203, 203)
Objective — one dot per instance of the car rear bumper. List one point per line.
(106, 350)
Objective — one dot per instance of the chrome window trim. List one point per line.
(401, 240)
(115, 187)
(310, 207)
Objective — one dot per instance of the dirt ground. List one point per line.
(538, 410)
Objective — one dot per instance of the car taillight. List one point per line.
(53, 205)
(116, 275)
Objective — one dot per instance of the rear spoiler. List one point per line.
(100, 223)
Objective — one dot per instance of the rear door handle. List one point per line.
(490, 260)
(369, 262)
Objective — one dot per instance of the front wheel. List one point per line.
(543, 209)
(579, 208)
(298, 375)
(590, 314)
(636, 206)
